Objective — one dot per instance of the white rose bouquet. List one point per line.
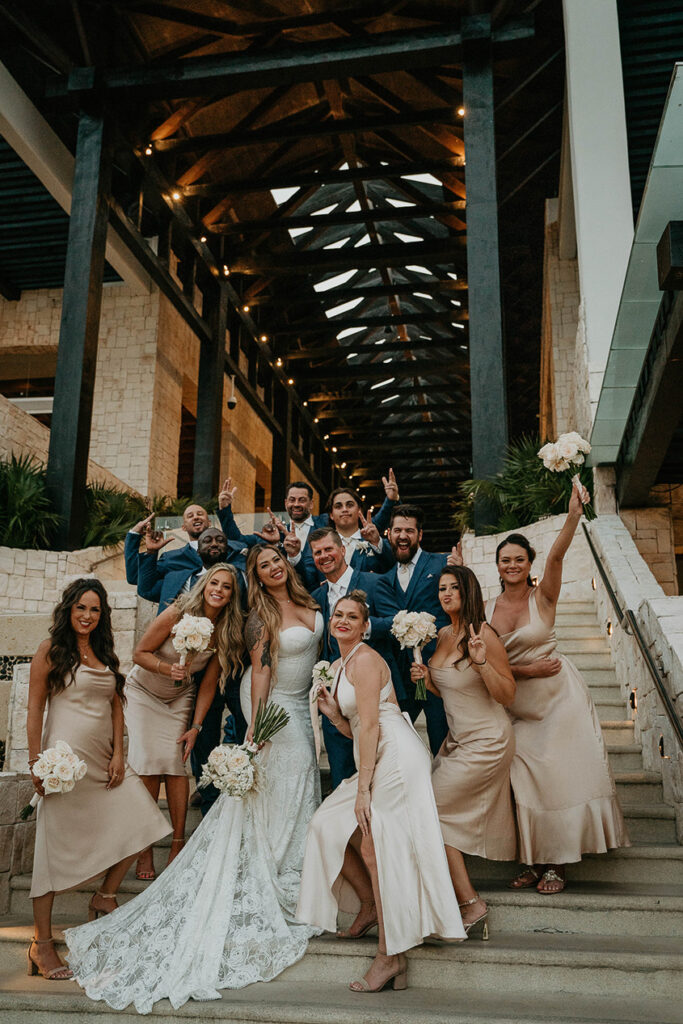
(415, 629)
(231, 768)
(564, 455)
(191, 635)
(323, 677)
(59, 769)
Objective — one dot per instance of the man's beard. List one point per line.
(299, 517)
(210, 558)
(403, 556)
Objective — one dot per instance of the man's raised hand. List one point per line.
(455, 557)
(390, 486)
(154, 539)
(142, 526)
(272, 530)
(369, 531)
(291, 544)
(227, 494)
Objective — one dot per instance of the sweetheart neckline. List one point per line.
(311, 631)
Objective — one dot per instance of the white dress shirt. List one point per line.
(193, 578)
(302, 530)
(405, 570)
(339, 589)
(350, 544)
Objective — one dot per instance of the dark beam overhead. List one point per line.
(341, 323)
(391, 345)
(449, 252)
(375, 371)
(314, 220)
(308, 62)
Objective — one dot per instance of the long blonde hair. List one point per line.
(228, 627)
(264, 608)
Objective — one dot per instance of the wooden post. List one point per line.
(67, 466)
(487, 364)
(207, 448)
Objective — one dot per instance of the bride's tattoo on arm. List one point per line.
(265, 656)
(254, 635)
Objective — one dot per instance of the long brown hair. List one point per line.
(63, 656)
(472, 612)
(262, 605)
(227, 627)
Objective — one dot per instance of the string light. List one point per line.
(226, 270)
(264, 338)
(343, 465)
(203, 238)
(291, 380)
(326, 437)
(461, 111)
(305, 405)
(278, 362)
(317, 419)
(334, 449)
(148, 149)
(176, 195)
(245, 309)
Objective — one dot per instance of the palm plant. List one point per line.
(27, 518)
(522, 493)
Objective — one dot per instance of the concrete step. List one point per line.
(650, 824)
(569, 618)
(516, 963)
(617, 731)
(656, 864)
(577, 608)
(593, 645)
(27, 1001)
(578, 631)
(639, 787)
(588, 660)
(612, 710)
(600, 677)
(625, 757)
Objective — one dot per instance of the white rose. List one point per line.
(52, 784)
(566, 449)
(40, 769)
(238, 759)
(68, 786)
(62, 747)
(51, 757)
(63, 771)
(81, 771)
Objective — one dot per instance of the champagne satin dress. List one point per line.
(158, 713)
(415, 886)
(471, 772)
(565, 796)
(79, 835)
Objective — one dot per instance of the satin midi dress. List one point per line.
(415, 886)
(471, 772)
(565, 796)
(79, 835)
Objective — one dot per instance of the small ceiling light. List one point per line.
(305, 404)
(291, 380)
(326, 437)
(343, 465)
(278, 362)
(264, 338)
(317, 419)
(461, 111)
(148, 149)
(203, 238)
(176, 195)
(226, 269)
(334, 449)
(245, 309)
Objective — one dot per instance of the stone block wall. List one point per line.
(32, 581)
(653, 534)
(17, 838)
(660, 619)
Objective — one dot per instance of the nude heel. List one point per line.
(32, 965)
(95, 912)
(485, 932)
(401, 981)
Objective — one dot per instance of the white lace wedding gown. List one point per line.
(222, 915)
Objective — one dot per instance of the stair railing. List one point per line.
(627, 620)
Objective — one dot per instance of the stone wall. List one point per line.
(660, 619)
(247, 454)
(17, 838)
(653, 534)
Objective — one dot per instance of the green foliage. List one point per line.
(110, 514)
(27, 519)
(522, 493)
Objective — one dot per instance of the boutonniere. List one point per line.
(430, 576)
(363, 545)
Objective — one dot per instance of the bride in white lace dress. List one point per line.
(222, 915)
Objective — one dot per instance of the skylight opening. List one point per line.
(338, 244)
(389, 398)
(426, 179)
(348, 331)
(419, 270)
(422, 295)
(352, 355)
(354, 207)
(343, 307)
(281, 195)
(295, 232)
(333, 282)
(398, 202)
(461, 327)
(454, 276)
(365, 240)
(388, 359)
(325, 209)
(455, 302)
(382, 383)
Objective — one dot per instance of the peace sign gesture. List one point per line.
(291, 543)
(270, 532)
(369, 531)
(154, 539)
(390, 486)
(477, 647)
(227, 494)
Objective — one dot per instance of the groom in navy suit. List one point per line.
(413, 585)
(329, 557)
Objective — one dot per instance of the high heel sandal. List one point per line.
(526, 879)
(481, 920)
(95, 912)
(348, 934)
(61, 973)
(398, 980)
(145, 874)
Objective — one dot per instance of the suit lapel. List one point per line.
(418, 572)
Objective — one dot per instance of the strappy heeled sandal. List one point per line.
(145, 874)
(398, 980)
(348, 934)
(61, 973)
(551, 875)
(481, 920)
(525, 879)
(95, 912)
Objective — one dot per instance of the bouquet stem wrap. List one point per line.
(420, 686)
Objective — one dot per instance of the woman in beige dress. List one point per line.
(564, 792)
(160, 692)
(401, 876)
(470, 671)
(101, 825)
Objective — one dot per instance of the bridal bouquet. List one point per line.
(59, 769)
(415, 629)
(560, 456)
(323, 677)
(231, 768)
(191, 635)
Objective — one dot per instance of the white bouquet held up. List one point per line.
(59, 769)
(323, 677)
(570, 450)
(191, 635)
(415, 629)
(231, 769)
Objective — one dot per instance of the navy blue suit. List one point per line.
(131, 550)
(422, 595)
(339, 747)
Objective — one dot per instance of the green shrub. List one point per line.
(522, 493)
(27, 518)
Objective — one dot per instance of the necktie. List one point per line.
(404, 575)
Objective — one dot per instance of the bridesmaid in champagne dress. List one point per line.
(108, 817)
(402, 880)
(564, 792)
(471, 773)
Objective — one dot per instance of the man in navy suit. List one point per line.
(164, 580)
(329, 557)
(195, 521)
(413, 584)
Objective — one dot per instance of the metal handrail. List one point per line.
(627, 620)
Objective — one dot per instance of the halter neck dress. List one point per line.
(565, 796)
(471, 772)
(414, 882)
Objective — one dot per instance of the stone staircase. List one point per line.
(608, 949)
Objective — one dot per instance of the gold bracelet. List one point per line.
(159, 672)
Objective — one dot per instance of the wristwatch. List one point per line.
(197, 725)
